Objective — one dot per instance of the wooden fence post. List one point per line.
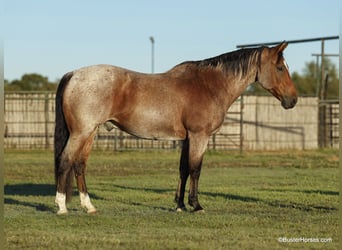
(46, 116)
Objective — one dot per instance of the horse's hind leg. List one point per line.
(64, 180)
(79, 171)
(74, 159)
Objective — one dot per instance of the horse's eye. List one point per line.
(280, 68)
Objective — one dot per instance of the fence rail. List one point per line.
(253, 122)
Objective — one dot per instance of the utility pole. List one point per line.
(152, 54)
(152, 65)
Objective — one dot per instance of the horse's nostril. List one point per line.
(289, 102)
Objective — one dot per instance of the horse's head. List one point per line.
(274, 76)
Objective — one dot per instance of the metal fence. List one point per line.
(252, 123)
(329, 123)
(30, 121)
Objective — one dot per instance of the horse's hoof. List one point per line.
(198, 209)
(180, 209)
(62, 211)
(92, 211)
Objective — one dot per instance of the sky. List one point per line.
(54, 37)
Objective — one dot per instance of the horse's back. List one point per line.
(100, 74)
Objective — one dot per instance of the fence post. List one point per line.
(115, 139)
(241, 123)
(46, 116)
(214, 141)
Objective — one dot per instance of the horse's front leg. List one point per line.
(183, 176)
(198, 145)
(193, 192)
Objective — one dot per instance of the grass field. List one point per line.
(256, 200)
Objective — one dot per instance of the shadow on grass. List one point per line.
(38, 206)
(27, 189)
(278, 204)
(144, 189)
(323, 192)
(30, 189)
(154, 190)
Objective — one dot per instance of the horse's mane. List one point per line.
(235, 62)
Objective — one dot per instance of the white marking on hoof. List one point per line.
(60, 201)
(62, 211)
(92, 211)
(86, 203)
(179, 210)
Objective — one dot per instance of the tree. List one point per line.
(307, 83)
(333, 81)
(30, 82)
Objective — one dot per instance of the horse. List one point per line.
(186, 103)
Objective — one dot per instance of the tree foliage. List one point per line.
(31, 82)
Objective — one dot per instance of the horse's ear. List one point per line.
(280, 48)
(274, 53)
(277, 51)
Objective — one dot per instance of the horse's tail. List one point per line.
(61, 133)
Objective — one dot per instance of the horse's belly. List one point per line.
(153, 125)
(154, 132)
(157, 136)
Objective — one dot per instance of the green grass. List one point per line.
(250, 201)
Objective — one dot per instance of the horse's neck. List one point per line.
(235, 85)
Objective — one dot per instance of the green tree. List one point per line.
(308, 83)
(333, 81)
(30, 82)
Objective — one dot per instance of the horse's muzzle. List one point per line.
(288, 102)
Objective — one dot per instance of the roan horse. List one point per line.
(188, 103)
